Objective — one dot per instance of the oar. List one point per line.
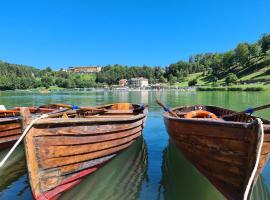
(249, 111)
(166, 108)
(37, 109)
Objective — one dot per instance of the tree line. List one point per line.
(221, 65)
(13, 76)
(216, 65)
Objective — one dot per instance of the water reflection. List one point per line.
(180, 180)
(260, 190)
(13, 178)
(120, 179)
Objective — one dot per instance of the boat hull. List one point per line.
(67, 184)
(224, 152)
(61, 152)
(11, 125)
(10, 131)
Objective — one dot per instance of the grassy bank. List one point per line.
(250, 87)
(51, 88)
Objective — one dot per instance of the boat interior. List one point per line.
(221, 113)
(60, 111)
(110, 110)
(33, 110)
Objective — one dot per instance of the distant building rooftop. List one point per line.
(84, 69)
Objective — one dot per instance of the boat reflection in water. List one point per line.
(13, 178)
(181, 179)
(260, 190)
(121, 178)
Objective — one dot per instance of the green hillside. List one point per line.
(248, 63)
(246, 66)
(256, 75)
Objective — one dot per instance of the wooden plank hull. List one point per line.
(11, 124)
(225, 152)
(61, 152)
(10, 131)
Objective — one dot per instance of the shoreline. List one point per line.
(244, 88)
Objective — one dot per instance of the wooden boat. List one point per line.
(11, 123)
(224, 150)
(61, 151)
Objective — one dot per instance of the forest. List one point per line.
(230, 65)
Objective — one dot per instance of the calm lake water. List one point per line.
(152, 168)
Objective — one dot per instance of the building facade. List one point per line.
(138, 82)
(123, 82)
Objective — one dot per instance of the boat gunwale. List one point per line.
(9, 119)
(167, 116)
(93, 120)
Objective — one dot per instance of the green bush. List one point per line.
(231, 78)
(192, 82)
(235, 89)
(255, 89)
(211, 88)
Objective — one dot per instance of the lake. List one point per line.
(152, 168)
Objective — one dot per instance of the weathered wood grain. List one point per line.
(5, 133)
(88, 129)
(13, 122)
(66, 139)
(49, 152)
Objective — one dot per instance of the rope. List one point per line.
(250, 181)
(21, 138)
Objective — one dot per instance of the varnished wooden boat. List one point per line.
(61, 151)
(224, 150)
(11, 123)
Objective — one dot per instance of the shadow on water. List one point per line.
(180, 180)
(13, 178)
(121, 178)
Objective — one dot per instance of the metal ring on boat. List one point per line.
(200, 114)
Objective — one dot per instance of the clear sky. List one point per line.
(62, 33)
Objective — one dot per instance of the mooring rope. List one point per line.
(250, 181)
(21, 138)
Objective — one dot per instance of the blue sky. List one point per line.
(62, 33)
